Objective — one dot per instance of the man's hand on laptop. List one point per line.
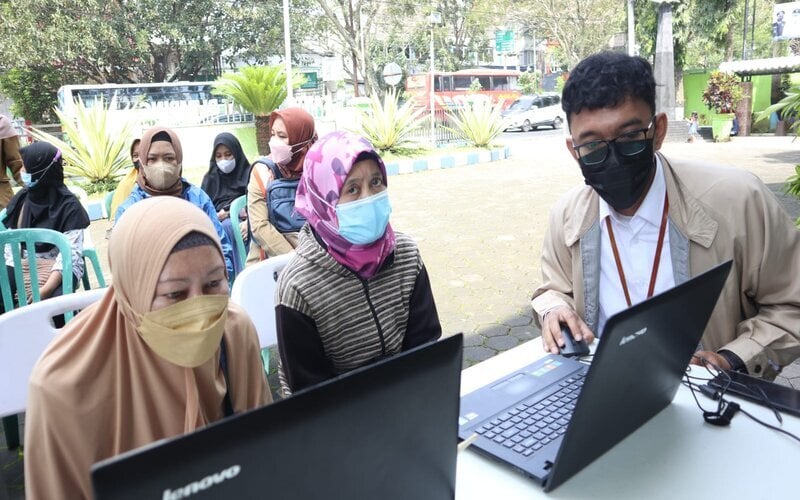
(710, 359)
(551, 328)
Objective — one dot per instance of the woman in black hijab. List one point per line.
(226, 180)
(46, 203)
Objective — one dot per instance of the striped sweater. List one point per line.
(331, 321)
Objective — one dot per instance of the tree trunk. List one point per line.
(262, 134)
(355, 74)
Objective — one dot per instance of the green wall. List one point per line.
(694, 83)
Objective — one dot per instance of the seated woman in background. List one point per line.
(160, 175)
(356, 291)
(292, 133)
(226, 180)
(46, 203)
(127, 183)
(145, 362)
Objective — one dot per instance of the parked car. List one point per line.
(532, 111)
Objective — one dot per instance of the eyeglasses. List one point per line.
(628, 144)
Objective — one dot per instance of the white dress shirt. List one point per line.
(637, 238)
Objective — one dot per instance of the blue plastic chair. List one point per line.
(236, 206)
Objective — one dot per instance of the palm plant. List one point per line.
(258, 90)
(388, 125)
(95, 147)
(792, 187)
(478, 121)
(788, 108)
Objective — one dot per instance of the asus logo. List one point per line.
(203, 484)
(628, 338)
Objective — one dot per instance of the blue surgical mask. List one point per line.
(27, 179)
(362, 222)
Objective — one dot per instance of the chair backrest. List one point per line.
(254, 290)
(236, 206)
(89, 251)
(107, 203)
(24, 335)
(14, 239)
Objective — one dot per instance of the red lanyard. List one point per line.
(656, 260)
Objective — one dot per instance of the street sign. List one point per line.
(504, 40)
(392, 74)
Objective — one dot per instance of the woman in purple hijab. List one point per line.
(356, 291)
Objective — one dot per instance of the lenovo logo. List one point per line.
(627, 338)
(203, 484)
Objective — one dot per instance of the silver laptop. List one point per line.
(557, 415)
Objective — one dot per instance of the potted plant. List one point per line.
(722, 95)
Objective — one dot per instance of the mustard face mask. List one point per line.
(187, 333)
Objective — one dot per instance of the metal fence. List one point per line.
(442, 134)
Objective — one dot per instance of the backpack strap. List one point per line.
(276, 173)
(223, 365)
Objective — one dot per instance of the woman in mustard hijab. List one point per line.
(143, 363)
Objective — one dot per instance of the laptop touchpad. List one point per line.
(519, 384)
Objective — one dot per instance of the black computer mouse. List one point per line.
(572, 347)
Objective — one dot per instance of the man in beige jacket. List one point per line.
(643, 224)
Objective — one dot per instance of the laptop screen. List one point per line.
(384, 431)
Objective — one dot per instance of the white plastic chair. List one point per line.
(25, 332)
(254, 290)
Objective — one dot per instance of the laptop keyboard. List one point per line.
(533, 423)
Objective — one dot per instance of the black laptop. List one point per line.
(387, 431)
(557, 415)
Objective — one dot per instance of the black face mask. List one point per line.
(621, 180)
(137, 164)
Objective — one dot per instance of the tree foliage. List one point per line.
(120, 41)
(128, 41)
(705, 32)
(32, 91)
(578, 27)
(529, 81)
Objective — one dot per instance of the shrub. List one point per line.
(478, 121)
(723, 92)
(388, 126)
(96, 147)
(529, 81)
(787, 108)
(792, 187)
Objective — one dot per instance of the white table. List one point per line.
(675, 455)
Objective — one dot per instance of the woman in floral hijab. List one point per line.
(356, 291)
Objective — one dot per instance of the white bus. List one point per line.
(167, 103)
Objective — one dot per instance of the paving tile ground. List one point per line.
(480, 230)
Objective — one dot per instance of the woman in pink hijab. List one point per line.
(356, 291)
